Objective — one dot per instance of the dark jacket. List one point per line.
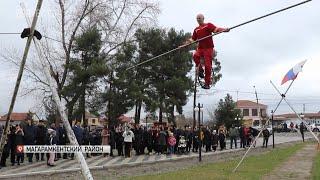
(62, 136)
(29, 134)
(41, 133)
(266, 133)
(19, 138)
(162, 138)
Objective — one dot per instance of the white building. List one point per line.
(252, 112)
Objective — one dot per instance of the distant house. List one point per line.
(124, 119)
(18, 118)
(91, 119)
(310, 118)
(252, 112)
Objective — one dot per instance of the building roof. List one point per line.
(16, 117)
(293, 115)
(124, 119)
(249, 104)
(89, 115)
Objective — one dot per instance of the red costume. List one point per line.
(205, 47)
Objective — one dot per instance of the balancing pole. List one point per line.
(214, 34)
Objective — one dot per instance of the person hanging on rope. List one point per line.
(205, 47)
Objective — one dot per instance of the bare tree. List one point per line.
(117, 21)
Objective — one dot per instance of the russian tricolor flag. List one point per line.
(293, 72)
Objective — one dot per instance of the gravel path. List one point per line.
(298, 166)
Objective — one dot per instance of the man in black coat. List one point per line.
(12, 144)
(29, 137)
(119, 141)
(78, 132)
(302, 130)
(112, 140)
(195, 140)
(62, 139)
(242, 137)
(266, 134)
(41, 137)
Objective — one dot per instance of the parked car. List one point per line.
(259, 128)
(315, 127)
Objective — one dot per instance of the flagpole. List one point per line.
(283, 97)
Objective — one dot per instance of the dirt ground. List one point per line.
(298, 166)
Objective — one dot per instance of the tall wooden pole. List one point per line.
(16, 89)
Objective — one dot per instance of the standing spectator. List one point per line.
(285, 127)
(112, 140)
(253, 134)
(302, 130)
(19, 136)
(119, 141)
(162, 140)
(52, 142)
(207, 139)
(171, 142)
(188, 139)
(5, 154)
(105, 137)
(291, 127)
(234, 133)
(61, 132)
(41, 135)
(246, 132)
(215, 140)
(128, 138)
(78, 132)
(242, 137)
(86, 138)
(266, 135)
(222, 137)
(29, 137)
(148, 140)
(138, 141)
(196, 140)
(12, 144)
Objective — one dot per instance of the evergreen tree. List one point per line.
(226, 112)
(166, 82)
(87, 66)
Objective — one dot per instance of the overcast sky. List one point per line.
(250, 55)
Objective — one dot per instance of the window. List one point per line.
(254, 112)
(263, 113)
(245, 112)
(93, 121)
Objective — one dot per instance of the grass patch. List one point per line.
(316, 167)
(253, 167)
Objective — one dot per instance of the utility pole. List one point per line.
(202, 114)
(258, 107)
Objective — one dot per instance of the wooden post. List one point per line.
(16, 89)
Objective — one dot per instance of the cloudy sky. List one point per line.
(250, 55)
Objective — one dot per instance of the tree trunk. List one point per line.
(160, 114)
(137, 112)
(83, 107)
